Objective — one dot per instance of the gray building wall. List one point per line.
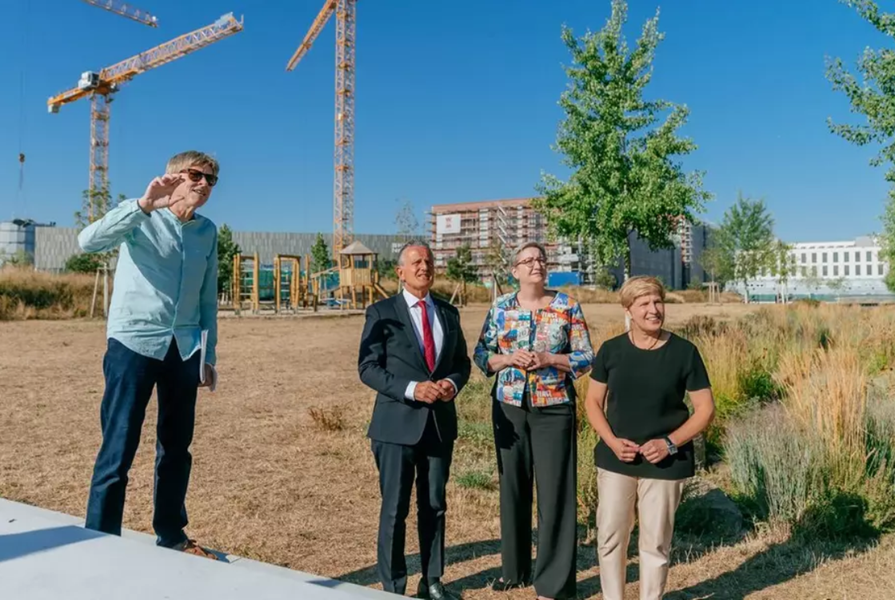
(665, 264)
(54, 245)
(269, 244)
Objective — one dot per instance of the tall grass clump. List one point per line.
(29, 294)
(820, 461)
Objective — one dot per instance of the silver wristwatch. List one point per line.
(672, 449)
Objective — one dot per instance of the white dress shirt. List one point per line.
(416, 317)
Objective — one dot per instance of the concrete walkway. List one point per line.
(46, 555)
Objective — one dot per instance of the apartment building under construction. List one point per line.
(493, 229)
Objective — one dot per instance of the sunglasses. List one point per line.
(196, 176)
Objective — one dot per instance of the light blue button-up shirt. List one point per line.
(166, 280)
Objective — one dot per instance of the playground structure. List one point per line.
(358, 275)
(289, 286)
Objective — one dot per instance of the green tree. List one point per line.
(83, 263)
(227, 250)
(320, 258)
(497, 260)
(812, 280)
(460, 267)
(746, 239)
(837, 285)
(782, 266)
(626, 171)
(605, 279)
(717, 263)
(94, 206)
(873, 96)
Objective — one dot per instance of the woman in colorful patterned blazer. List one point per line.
(536, 342)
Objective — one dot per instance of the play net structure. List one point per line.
(289, 286)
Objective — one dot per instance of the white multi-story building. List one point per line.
(828, 269)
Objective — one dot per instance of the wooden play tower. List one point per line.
(359, 275)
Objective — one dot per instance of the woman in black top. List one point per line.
(636, 404)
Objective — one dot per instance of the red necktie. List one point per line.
(428, 338)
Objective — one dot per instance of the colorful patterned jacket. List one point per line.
(559, 329)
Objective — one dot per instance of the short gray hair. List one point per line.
(192, 158)
(413, 244)
(528, 245)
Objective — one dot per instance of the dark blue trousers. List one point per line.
(130, 378)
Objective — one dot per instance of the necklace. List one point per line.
(651, 346)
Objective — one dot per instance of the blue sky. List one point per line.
(456, 101)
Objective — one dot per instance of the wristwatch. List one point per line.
(672, 449)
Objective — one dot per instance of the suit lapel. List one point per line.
(403, 312)
(442, 317)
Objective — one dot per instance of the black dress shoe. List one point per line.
(435, 591)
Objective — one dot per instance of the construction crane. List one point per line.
(125, 10)
(343, 184)
(101, 86)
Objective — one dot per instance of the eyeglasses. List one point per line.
(530, 262)
(196, 176)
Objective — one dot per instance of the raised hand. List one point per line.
(158, 192)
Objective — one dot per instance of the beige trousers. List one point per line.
(657, 501)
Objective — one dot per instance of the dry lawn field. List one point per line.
(283, 473)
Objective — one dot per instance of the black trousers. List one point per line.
(430, 461)
(130, 378)
(543, 442)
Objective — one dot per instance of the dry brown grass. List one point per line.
(269, 484)
(28, 294)
(328, 419)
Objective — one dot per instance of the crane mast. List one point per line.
(101, 87)
(343, 159)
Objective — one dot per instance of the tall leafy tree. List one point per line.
(746, 240)
(320, 258)
(873, 96)
(623, 150)
(227, 250)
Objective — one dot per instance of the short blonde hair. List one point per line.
(638, 286)
(191, 158)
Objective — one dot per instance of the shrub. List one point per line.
(328, 419)
(476, 479)
(83, 263)
(775, 469)
(29, 294)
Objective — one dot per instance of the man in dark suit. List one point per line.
(413, 354)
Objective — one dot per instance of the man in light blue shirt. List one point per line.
(162, 320)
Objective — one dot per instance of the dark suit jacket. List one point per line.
(390, 358)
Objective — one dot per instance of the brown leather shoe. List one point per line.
(191, 547)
